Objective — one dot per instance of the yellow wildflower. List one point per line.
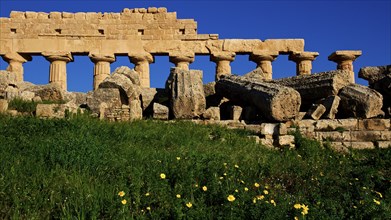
(265, 192)
(178, 158)
(147, 194)
(245, 189)
(123, 201)
(296, 218)
(266, 187)
(205, 188)
(273, 202)
(380, 195)
(149, 208)
(260, 197)
(221, 177)
(256, 185)
(189, 205)
(196, 185)
(162, 176)
(236, 190)
(376, 201)
(225, 164)
(254, 200)
(225, 174)
(305, 209)
(231, 198)
(297, 206)
(236, 166)
(178, 196)
(121, 194)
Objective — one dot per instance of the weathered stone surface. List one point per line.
(160, 111)
(150, 96)
(384, 144)
(360, 101)
(278, 103)
(253, 128)
(316, 86)
(27, 95)
(135, 110)
(236, 112)
(7, 79)
(339, 147)
(331, 125)
(47, 92)
(111, 96)
(316, 111)
(187, 97)
(282, 129)
(212, 99)
(374, 124)
(78, 98)
(212, 113)
(356, 136)
(3, 105)
(331, 104)
(359, 145)
(269, 128)
(50, 111)
(283, 140)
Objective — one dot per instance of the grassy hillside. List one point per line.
(83, 168)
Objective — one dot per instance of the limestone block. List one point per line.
(55, 15)
(331, 103)
(374, 124)
(269, 128)
(43, 15)
(212, 113)
(47, 92)
(369, 135)
(383, 144)
(3, 105)
(50, 111)
(135, 110)
(162, 10)
(17, 15)
(284, 45)
(239, 45)
(305, 125)
(126, 80)
(236, 112)
(68, 15)
(160, 111)
(80, 16)
(152, 10)
(274, 102)
(27, 95)
(37, 99)
(283, 140)
(282, 129)
(268, 142)
(359, 145)
(316, 111)
(142, 10)
(360, 101)
(187, 97)
(235, 124)
(332, 136)
(31, 15)
(13, 113)
(11, 93)
(253, 128)
(111, 96)
(330, 125)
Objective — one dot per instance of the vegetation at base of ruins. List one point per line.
(28, 107)
(89, 169)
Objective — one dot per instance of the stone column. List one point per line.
(15, 64)
(303, 61)
(141, 61)
(264, 59)
(182, 60)
(101, 68)
(344, 60)
(223, 60)
(58, 68)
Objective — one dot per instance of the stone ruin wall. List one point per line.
(143, 33)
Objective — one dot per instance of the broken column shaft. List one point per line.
(264, 60)
(222, 60)
(303, 61)
(58, 68)
(344, 60)
(101, 68)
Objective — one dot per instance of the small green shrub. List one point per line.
(22, 106)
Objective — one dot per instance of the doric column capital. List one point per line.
(58, 56)
(177, 57)
(222, 56)
(303, 55)
(263, 55)
(95, 57)
(343, 55)
(136, 57)
(17, 57)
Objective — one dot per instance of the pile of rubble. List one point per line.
(269, 108)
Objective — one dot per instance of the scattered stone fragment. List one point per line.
(283, 140)
(212, 113)
(360, 102)
(331, 104)
(316, 111)
(187, 97)
(3, 105)
(160, 111)
(278, 103)
(236, 112)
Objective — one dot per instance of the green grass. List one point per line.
(28, 107)
(75, 168)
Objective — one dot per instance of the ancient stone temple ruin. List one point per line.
(254, 101)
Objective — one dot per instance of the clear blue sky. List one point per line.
(326, 26)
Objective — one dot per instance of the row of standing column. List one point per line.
(142, 60)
